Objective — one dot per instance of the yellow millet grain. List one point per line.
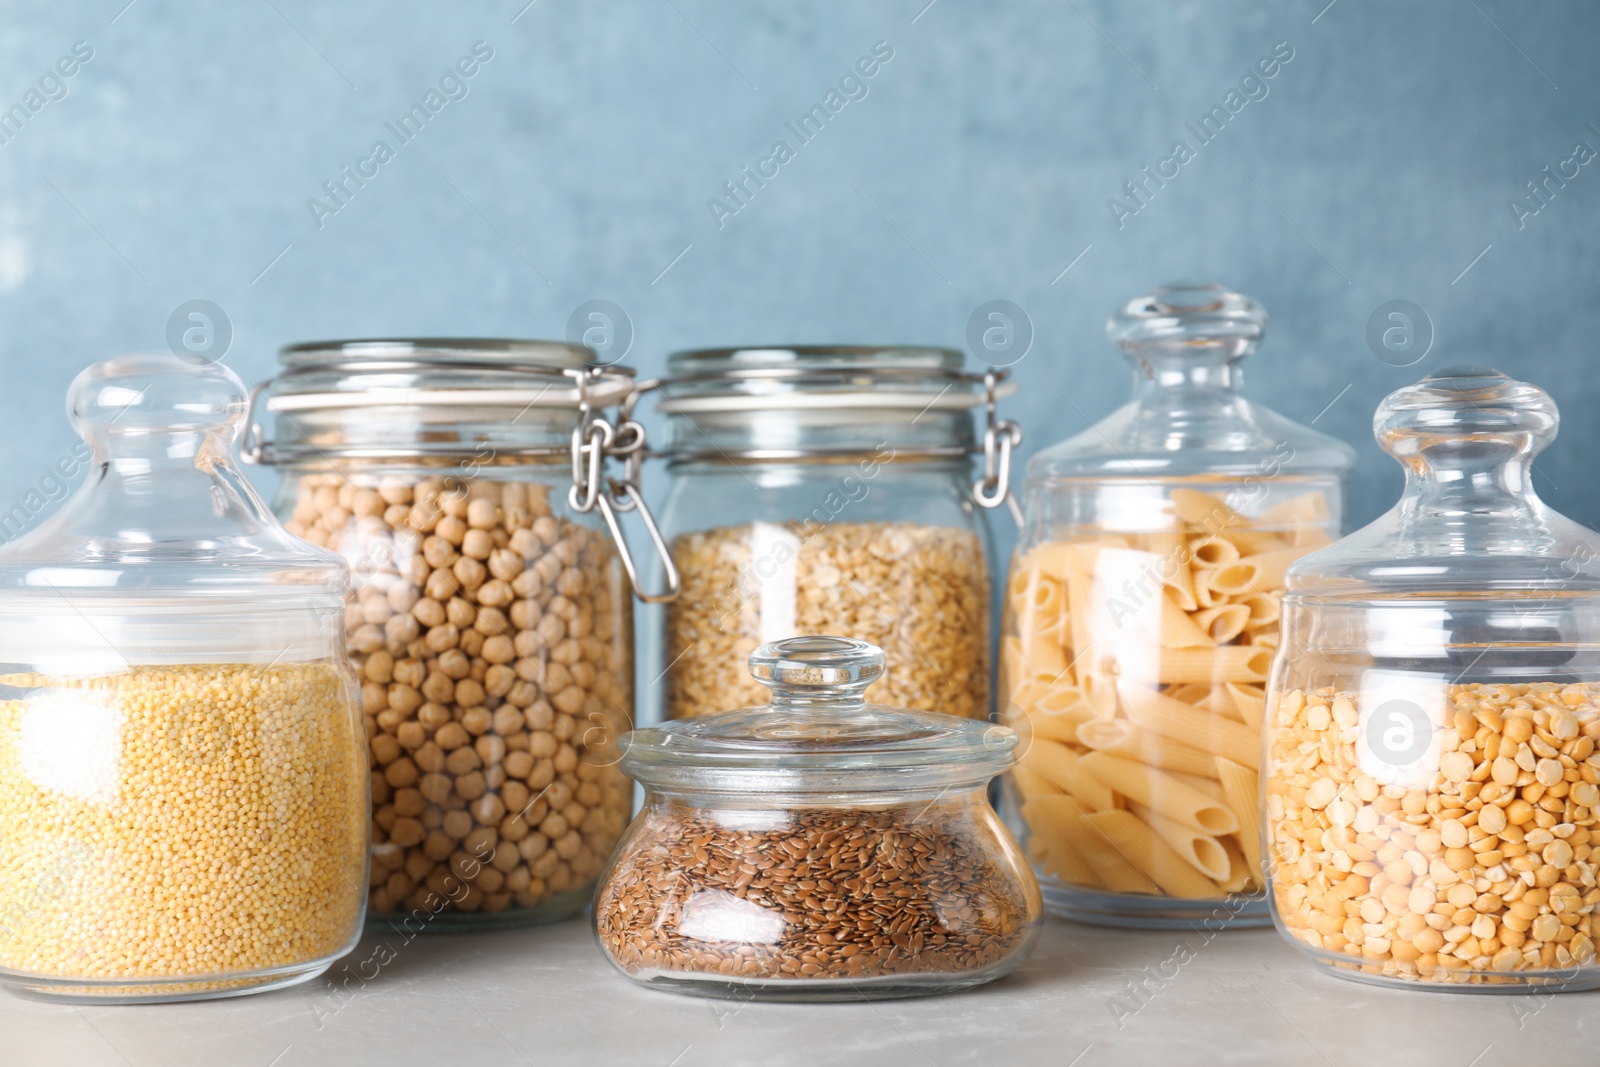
(180, 821)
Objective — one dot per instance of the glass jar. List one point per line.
(490, 616)
(1141, 616)
(1432, 782)
(820, 848)
(828, 489)
(183, 781)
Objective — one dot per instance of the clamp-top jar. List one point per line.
(1432, 777)
(829, 489)
(1141, 618)
(490, 618)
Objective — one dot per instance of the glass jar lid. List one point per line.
(446, 397)
(1469, 523)
(820, 376)
(1186, 416)
(819, 735)
(165, 553)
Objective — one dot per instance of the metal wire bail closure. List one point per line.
(593, 440)
(1000, 439)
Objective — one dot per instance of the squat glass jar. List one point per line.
(829, 489)
(1432, 780)
(490, 616)
(183, 781)
(1141, 616)
(819, 848)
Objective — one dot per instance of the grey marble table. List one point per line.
(544, 996)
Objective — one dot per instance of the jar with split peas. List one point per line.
(490, 616)
(183, 777)
(1432, 780)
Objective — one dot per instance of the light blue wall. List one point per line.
(978, 166)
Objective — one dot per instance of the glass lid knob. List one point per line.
(154, 393)
(1480, 408)
(820, 668)
(1204, 316)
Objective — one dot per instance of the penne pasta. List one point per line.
(1201, 851)
(1063, 768)
(1154, 858)
(1195, 727)
(1226, 663)
(1212, 551)
(1122, 738)
(1263, 607)
(1242, 878)
(1164, 792)
(1052, 829)
(1042, 659)
(1223, 624)
(1062, 818)
(1241, 786)
(1229, 579)
(1178, 628)
(1032, 785)
(1308, 509)
(1266, 569)
(1143, 718)
(1204, 510)
(1250, 702)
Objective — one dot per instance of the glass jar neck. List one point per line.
(1457, 477)
(904, 434)
(1163, 371)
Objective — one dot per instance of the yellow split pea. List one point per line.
(180, 821)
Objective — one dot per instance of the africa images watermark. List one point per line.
(1253, 88)
(1543, 188)
(52, 87)
(853, 86)
(453, 88)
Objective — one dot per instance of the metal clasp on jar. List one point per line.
(1000, 439)
(594, 439)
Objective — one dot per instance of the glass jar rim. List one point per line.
(755, 378)
(486, 372)
(479, 383)
(818, 735)
(865, 749)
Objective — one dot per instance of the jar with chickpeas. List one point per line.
(490, 615)
(183, 777)
(1431, 778)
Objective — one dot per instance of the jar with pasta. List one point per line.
(490, 616)
(183, 778)
(829, 489)
(1142, 612)
(1432, 779)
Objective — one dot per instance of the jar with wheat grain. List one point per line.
(829, 489)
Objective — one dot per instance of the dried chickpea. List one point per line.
(456, 672)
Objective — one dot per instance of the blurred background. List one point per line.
(1387, 158)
